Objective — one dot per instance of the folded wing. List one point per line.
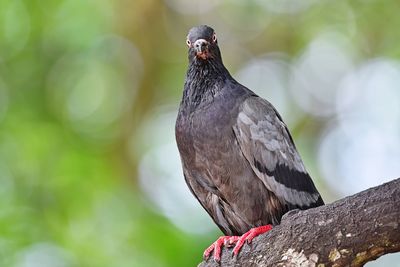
(268, 147)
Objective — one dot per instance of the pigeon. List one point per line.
(238, 157)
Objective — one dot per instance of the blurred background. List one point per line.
(89, 170)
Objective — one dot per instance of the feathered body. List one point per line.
(238, 157)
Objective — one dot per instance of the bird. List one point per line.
(238, 157)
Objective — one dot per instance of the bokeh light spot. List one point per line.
(361, 148)
(92, 90)
(318, 72)
(16, 28)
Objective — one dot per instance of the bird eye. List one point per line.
(188, 42)
(214, 38)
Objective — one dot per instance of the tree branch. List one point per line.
(348, 232)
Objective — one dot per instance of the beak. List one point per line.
(201, 47)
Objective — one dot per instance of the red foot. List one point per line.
(217, 245)
(249, 236)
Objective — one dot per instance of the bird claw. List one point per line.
(248, 237)
(238, 241)
(227, 241)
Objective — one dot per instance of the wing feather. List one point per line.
(268, 147)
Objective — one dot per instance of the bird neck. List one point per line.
(204, 79)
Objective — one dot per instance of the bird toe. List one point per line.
(249, 236)
(218, 245)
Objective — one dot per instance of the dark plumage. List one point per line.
(238, 157)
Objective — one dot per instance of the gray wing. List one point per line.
(268, 147)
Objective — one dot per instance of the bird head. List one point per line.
(202, 43)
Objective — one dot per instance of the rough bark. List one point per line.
(348, 232)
